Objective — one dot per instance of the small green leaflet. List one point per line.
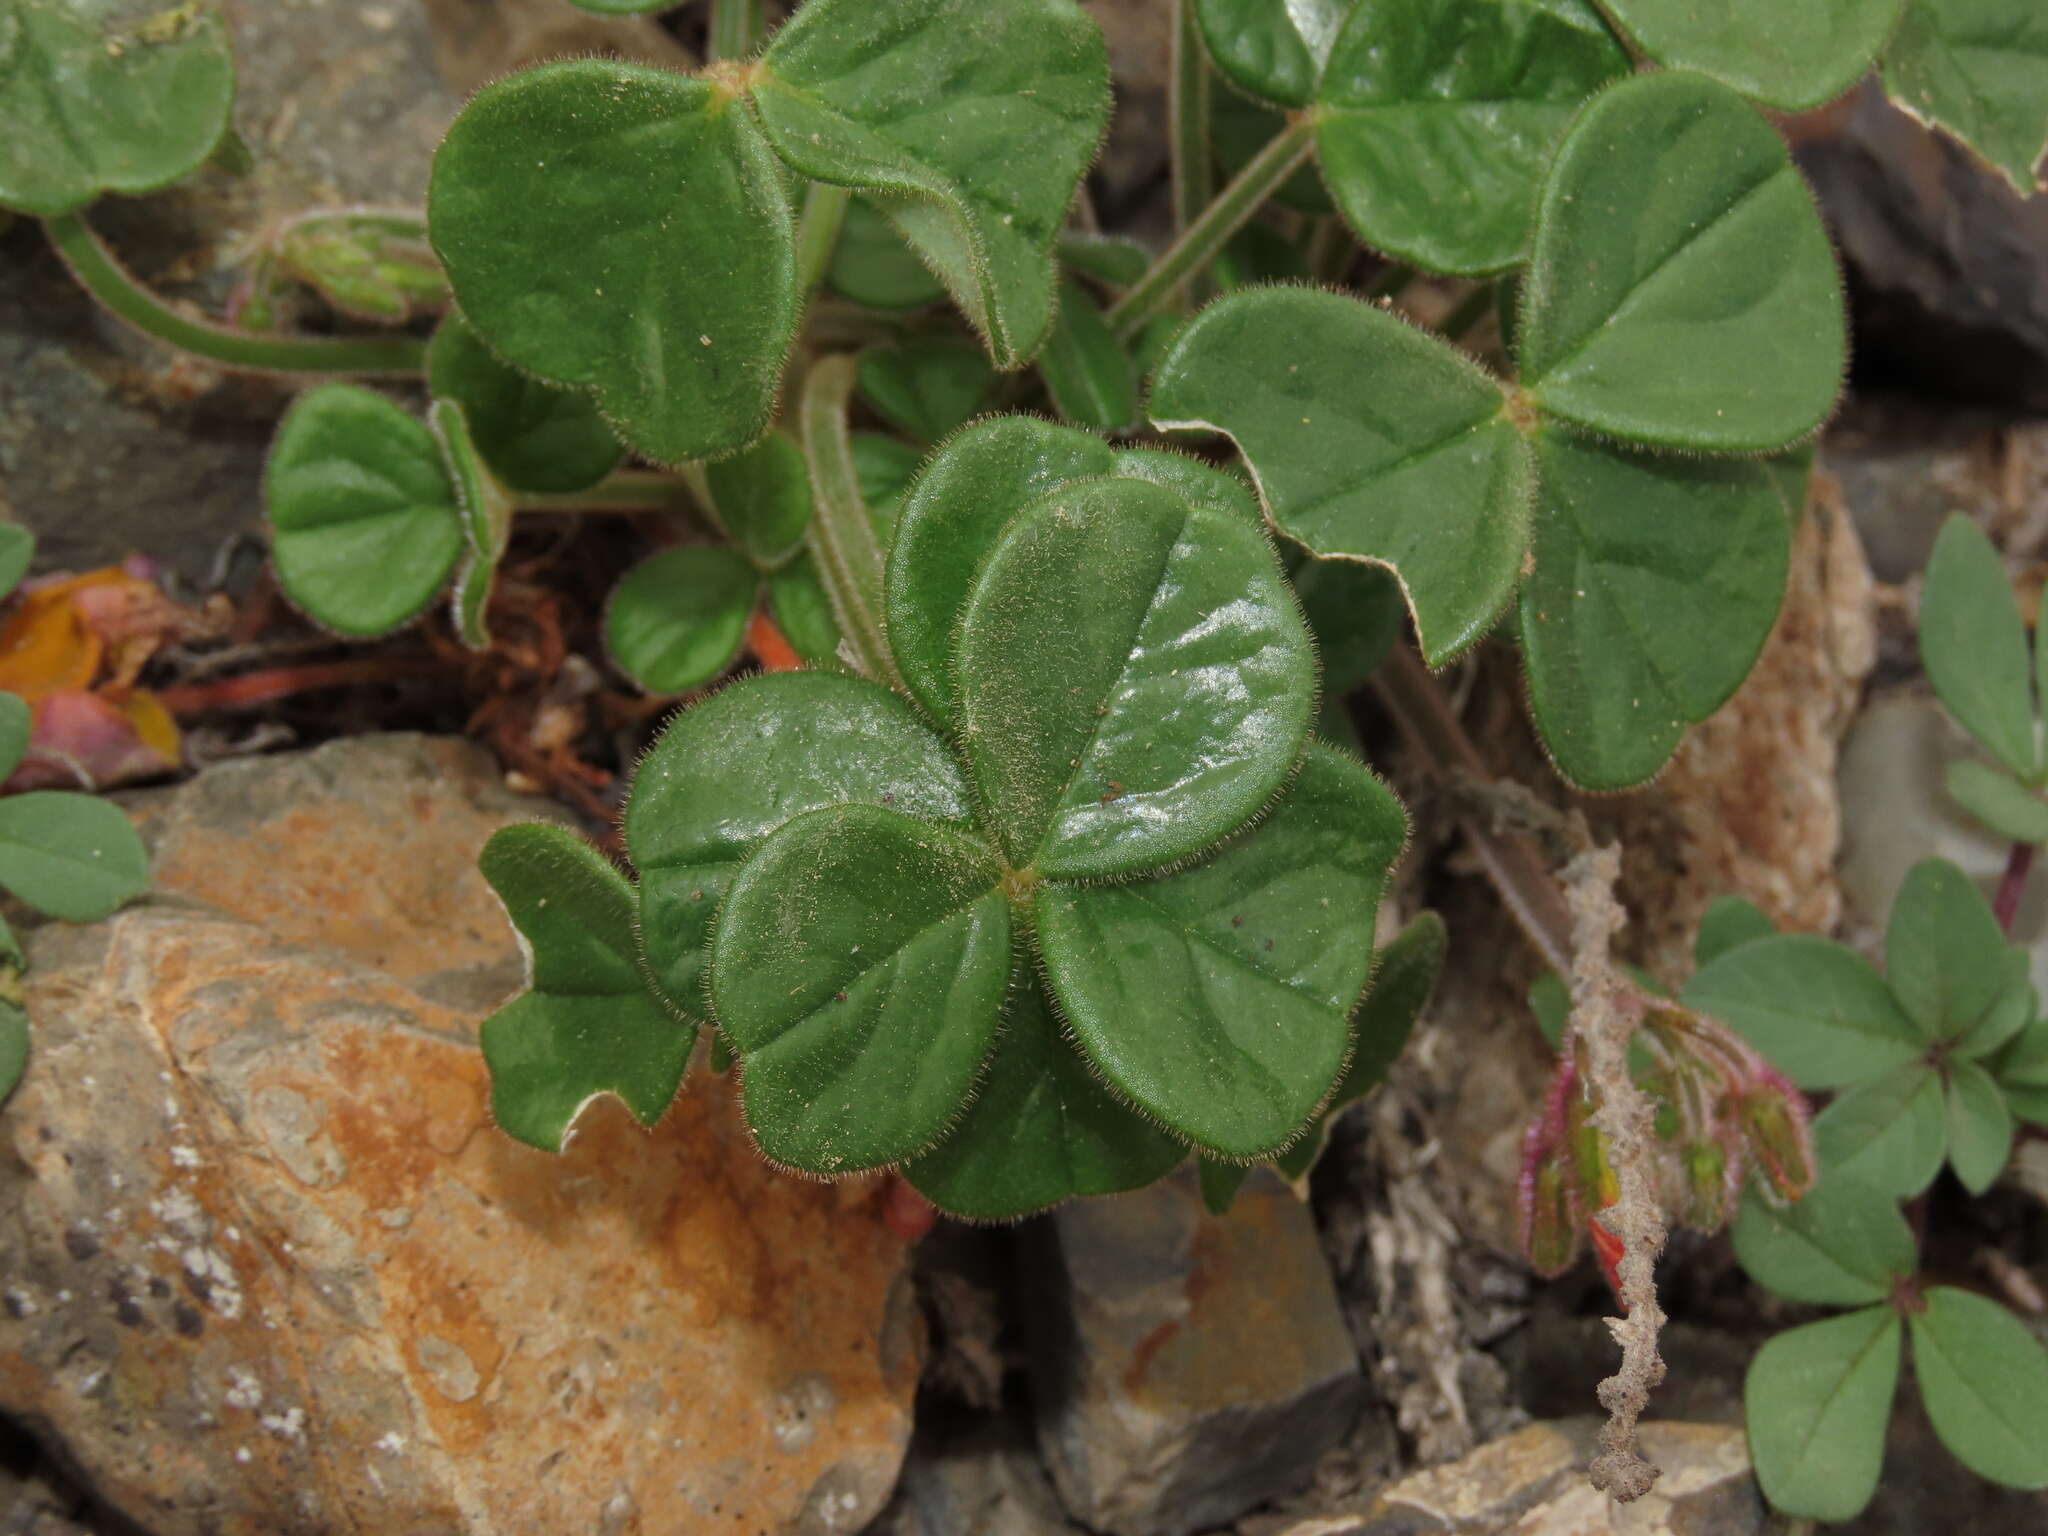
(1273, 49)
(70, 856)
(927, 386)
(1817, 1399)
(871, 265)
(1817, 1010)
(1891, 1130)
(534, 437)
(1789, 56)
(1944, 956)
(763, 499)
(17, 724)
(1974, 646)
(1984, 1378)
(107, 96)
(1086, 369)
(677, 619)
(1843, 1244)
(586, 1024)
(486, 510)
(17, 549)
(1998, 800)
(1974, 68)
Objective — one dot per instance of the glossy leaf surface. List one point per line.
(1369, 440)
(107, 96)
(1436, 119)
(535, 437)
(1673, 225)
(1787, 56)
(1984, 1378)
(1817, 1399)
(763, 498)
(858, 967)
(1817, 1010)
(676, 620)
(1974, 645)
(1974, 67)
(624, 231)
(1403, 975)
(1273, 49)
(1118, 724)
(70, 856)
(1891, 1131)
(364, 525)
(1219, 998)
(1042, 1129)
(1086, 368)
(1656, 582)
(1843, 1244)
(970, 122)
(927, 386)
(1944, 955)
(728, 772)
(586, 1024)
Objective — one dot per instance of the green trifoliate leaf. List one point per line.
(1086, 369)
(1218, 999)
(1729, 923)
(17, 550)
(1726, 266)
(107, 96)
(1984, 1378)
(1356, 614)
(1436, 119)
(885, 467)
(1891, 1131)
(970, 122)
(1369, 441)
(1786, 56)
(1041, 1130)
(70, 856)
(534, 437)
(1116, 260)
(928, 387)
(763, 497)
(1944, 955)
(1402, 979)
(1998, 800)
(1974, 68)
(586, 1025)
(858, 968)
(1816, 1009)
(363, 517)
(1979, 1126)
(1974, 645)
(968, 494)
(1817, 1399)
(1117, 724)
(624, 231)
(677, 619)
(1843, 1244)
(1274, 49)
(803, 612)
(486, 511)
(1655, 584)
(17, 723)
(871, 265)
(731, 770)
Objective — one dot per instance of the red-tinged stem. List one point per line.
(2012, 885)
(252, 690)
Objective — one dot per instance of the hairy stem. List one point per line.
(2012, 885)
(101, 274)
(735, 28)
(623, 490)
(1518, 871)
(842, 537)
(1194, 172)
(1213, 227)
(817, 232)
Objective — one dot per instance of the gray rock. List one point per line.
(986, 1482)
(1184, 1367)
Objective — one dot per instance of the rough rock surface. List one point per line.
(985, 1482)
(1184, 1366)
(1533, 1483)
(265, 1266)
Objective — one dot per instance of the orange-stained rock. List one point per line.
(265, 1266)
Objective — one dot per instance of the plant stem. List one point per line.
(1225, 215)
(623, 490)
(1511, 861)
(817, 232)
(735, 28)
(2012, 885)
(1187, 105)
(100, 273)
(842, 537)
